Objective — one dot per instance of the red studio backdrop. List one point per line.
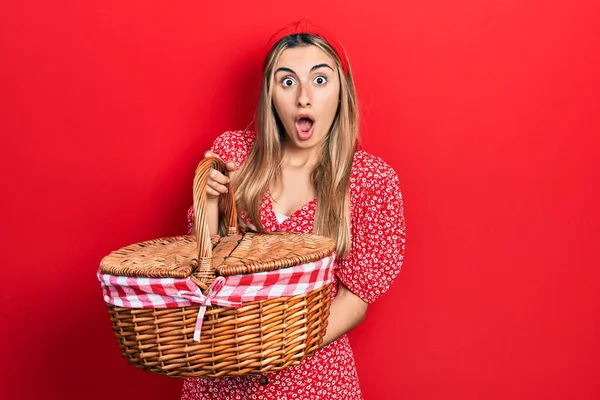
(488, 110)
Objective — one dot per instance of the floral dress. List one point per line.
(378, 239)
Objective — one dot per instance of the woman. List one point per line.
(302, 171)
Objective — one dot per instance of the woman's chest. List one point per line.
(291, 190)
(300, 220)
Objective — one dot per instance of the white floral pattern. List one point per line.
(378, 243)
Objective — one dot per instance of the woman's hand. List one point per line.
(216, 185)
(217, 182)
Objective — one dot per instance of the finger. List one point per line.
(218, 188)
(230, 165)
(218, 177)
(210, 153)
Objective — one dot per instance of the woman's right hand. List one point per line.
(216, 184)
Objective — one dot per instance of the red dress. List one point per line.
(377, 231)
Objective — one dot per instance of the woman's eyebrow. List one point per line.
(291, 71)
(285, 69)
(321, 66)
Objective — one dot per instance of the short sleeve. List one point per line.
(378, 238)
(234, 146)
(229, 146)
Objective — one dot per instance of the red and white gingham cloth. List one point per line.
(229, 291)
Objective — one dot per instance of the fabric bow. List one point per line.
(210, 299)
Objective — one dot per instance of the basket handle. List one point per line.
(200, 205)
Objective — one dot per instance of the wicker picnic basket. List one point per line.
(253, 337)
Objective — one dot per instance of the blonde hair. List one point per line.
(332, 172)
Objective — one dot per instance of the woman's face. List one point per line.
(306, 95)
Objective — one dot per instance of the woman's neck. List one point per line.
(300, 158)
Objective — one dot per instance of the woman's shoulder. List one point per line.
(371, 172)
(234, 145)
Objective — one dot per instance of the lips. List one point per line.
(304, 126)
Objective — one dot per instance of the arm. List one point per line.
(377, 252)
(232, 147)
(212, 213)
(347, 311)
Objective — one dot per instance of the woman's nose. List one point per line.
(304, 96)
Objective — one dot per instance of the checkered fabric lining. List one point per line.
(228, 291)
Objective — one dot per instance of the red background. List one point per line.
(488, 110)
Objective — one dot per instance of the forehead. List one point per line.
(304, 58)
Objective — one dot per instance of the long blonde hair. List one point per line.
(332, 172)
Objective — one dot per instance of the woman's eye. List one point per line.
(320, 80)
(287, 82)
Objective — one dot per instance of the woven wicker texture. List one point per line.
(262, 336)
(166, 257)
(259, 337)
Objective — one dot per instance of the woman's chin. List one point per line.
(305, 143)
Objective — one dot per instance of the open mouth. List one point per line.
(304, 126)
